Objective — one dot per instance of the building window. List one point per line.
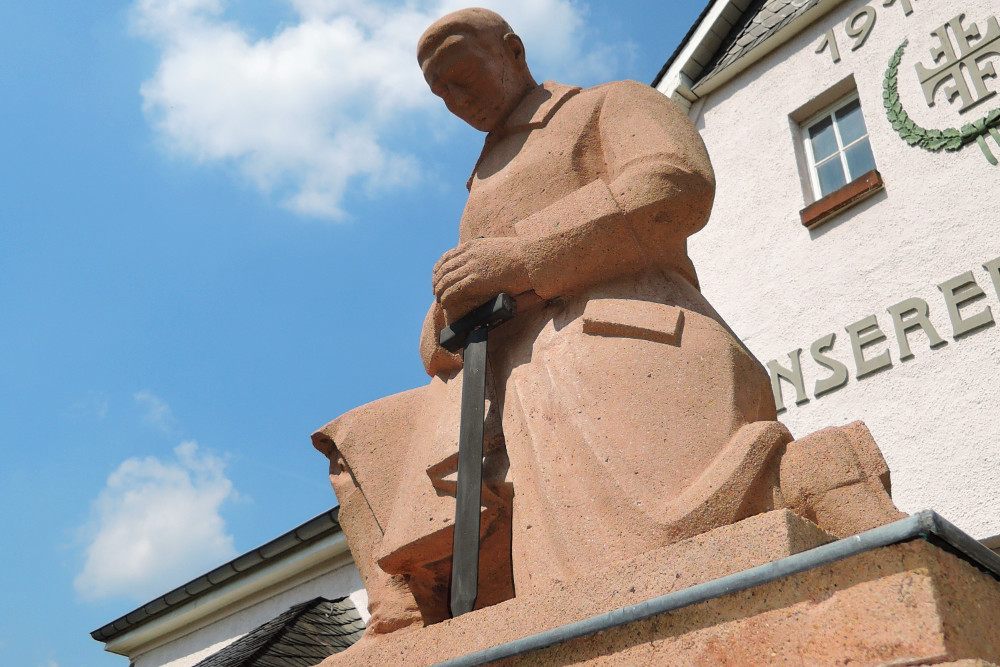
(837, 147)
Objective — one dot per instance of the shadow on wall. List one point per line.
(848, 213)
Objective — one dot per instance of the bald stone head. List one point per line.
(474, 62)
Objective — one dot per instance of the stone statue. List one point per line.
(624, 413)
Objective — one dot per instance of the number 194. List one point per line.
(858, 27)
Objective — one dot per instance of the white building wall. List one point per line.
(781, 286)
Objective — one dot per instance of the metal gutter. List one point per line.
(926, 525)
(283, 546)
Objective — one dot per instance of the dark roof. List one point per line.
(761, 21)
(684, 42)
(740, 27)
(311, 531)
(303, 636)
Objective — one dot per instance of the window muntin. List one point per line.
(837, 146)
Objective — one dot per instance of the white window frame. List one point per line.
(828, 112)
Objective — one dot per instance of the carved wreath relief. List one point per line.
(960, 69)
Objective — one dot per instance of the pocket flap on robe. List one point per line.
(626, 318)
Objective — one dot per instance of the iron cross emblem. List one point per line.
(960, 63)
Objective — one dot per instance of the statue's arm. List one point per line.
(657, 191)
(437, 360)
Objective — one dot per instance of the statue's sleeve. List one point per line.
(657, 190)
(437, 360)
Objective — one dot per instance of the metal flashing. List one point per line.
(283, 546)
(926, 525)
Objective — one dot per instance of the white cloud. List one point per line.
(310, 110)
(94, 405)
(156, 524)
(157, 412)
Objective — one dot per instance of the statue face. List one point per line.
(477, 83)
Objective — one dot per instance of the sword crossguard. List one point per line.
(490, 315)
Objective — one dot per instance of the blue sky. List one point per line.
(217, 224)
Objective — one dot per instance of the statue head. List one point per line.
(474, 62)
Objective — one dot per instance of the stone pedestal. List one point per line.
(911, 593)
(906, 604)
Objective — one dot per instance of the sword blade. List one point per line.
(465, 558)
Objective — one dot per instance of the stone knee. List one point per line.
(838, 479)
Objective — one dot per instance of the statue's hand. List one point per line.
(437, 360)
(478, 270)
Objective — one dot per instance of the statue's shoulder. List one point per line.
(630, 90)
(625, 86)
(629, 100)
(635, 100)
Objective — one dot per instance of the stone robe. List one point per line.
(625, 398)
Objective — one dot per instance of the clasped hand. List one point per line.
(477, 270)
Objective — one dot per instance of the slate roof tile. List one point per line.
(303, 636)
(761, 20)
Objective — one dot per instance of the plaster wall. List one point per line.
(936, 416)
(189, 649)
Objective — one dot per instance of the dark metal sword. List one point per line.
(471, 332)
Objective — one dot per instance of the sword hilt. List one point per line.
(493, 313)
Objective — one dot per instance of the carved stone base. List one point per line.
(906, 604)
(720, 552)
(909, 603)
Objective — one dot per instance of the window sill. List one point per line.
(858, 190)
